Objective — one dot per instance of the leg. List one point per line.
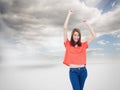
(74, 78)
(82, 77)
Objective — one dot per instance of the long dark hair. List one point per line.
(72, 42)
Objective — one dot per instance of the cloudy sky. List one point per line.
(33, 29)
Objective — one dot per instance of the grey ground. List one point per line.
(45, 75)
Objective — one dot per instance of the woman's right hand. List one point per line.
(70, 11)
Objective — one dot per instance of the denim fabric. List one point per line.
(78, 77)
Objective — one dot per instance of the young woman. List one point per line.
(75, 55)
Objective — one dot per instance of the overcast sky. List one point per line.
(33, 29)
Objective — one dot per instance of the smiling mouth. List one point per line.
(76, 39)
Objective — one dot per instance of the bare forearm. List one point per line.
(66, 21)
(91, 30)
(66, 24)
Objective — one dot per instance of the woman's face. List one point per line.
(76, 36)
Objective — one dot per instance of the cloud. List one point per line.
(116, 44)
(92, 3)
(116, 35)
(108, 22)
(38, 24)
(118, 49)
(39, 15)
(103, 42)
(97, 54)
(113, 4)
(94, 49)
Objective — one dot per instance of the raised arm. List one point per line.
(66, 25)
(93, 35)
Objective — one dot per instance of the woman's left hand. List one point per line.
(84, 20)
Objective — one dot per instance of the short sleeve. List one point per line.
(85, 44)
(67, 43)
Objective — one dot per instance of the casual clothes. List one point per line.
(78, 77)
(75, 55)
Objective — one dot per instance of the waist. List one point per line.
(76, 66)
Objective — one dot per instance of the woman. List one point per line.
(75, 55)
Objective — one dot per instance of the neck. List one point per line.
(76, 45)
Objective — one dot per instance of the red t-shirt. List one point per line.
(75, 55)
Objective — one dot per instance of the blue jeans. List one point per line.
(78, 77)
